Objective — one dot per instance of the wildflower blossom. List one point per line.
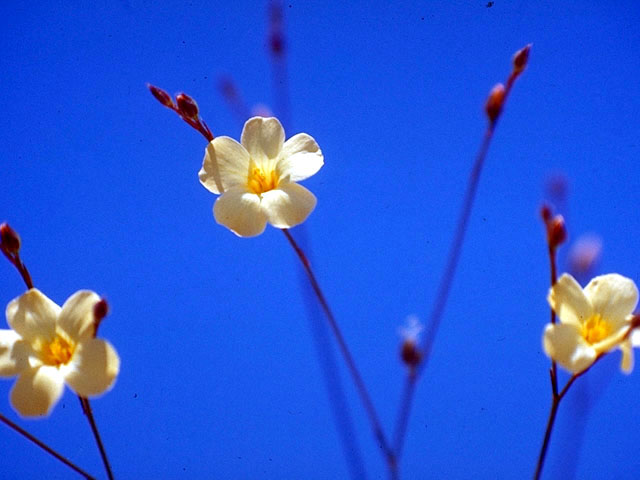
(256, 177)
(593, 321)
(49, 346)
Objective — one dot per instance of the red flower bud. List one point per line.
(9, 239)
(410, 354)
(162, 96)
(545, 213)
(493, 107)
(520, 59)
(556, 232)
(187, 105)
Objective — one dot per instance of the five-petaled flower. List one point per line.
(49, 346)
(593, 321)
(256, 178)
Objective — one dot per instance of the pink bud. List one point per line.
(9, 239)
(162, 96)
(556, 232)
(520, 59)
(187, 105)
(410, 354)
(493, 107)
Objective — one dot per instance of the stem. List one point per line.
(554, 279)
(14, 259)
(348, 358)
(449, 273)
(86, 409)
(403, 414)
(44, 447)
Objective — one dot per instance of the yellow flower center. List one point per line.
(262, 180)
(595, 329)
(58, 352)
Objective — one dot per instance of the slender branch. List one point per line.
(86, 409)
(44, 447)
(556, 398)
(554, 279)
(14, 259)
(348, 358)
(494, 106)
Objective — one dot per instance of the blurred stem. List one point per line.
(446, 280)
(348, 358)
(86, 409)
(45, 447)
(556, 398)
(14, 259)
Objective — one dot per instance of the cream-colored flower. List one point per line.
(256, 178)
(593, 321)
(49, 346)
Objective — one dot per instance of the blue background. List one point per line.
(220, 369)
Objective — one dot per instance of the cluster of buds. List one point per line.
(185, 106)
(555, 226)
(498, 94)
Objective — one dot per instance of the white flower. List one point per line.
(50, 346)
(256, 178)
(593, 321)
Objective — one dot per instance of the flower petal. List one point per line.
(613, 296)
(225, 165)
(301, 157)
(564, 344)
(36, 391)
(263, 138)
(33, 315)
(569, 301)
(14, 353)
(93, 368)
(241, 212)
(76, 317)
(635, 337)
(288, 205)
(626, 364)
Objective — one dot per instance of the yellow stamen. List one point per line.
(595, 329)
(58, 352)
(261, 181)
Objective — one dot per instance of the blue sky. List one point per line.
(220, 374)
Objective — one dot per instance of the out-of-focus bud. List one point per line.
(520, 59)
(545, 213)
(276, 43)
(556, 232)
(585, 254)
(187, 105)
(9, 239)
(493, 107)
(162, 96)
(410, 354)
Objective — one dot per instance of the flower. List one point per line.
(256, 178)
(593, 321)
(49, 346)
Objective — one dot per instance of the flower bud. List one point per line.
(100, 311)
(162, 96)
(556, 232)
(410, 354)
(493, 107)
(9, 239)
(187, 105)
(545, 213)
(520, 59)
